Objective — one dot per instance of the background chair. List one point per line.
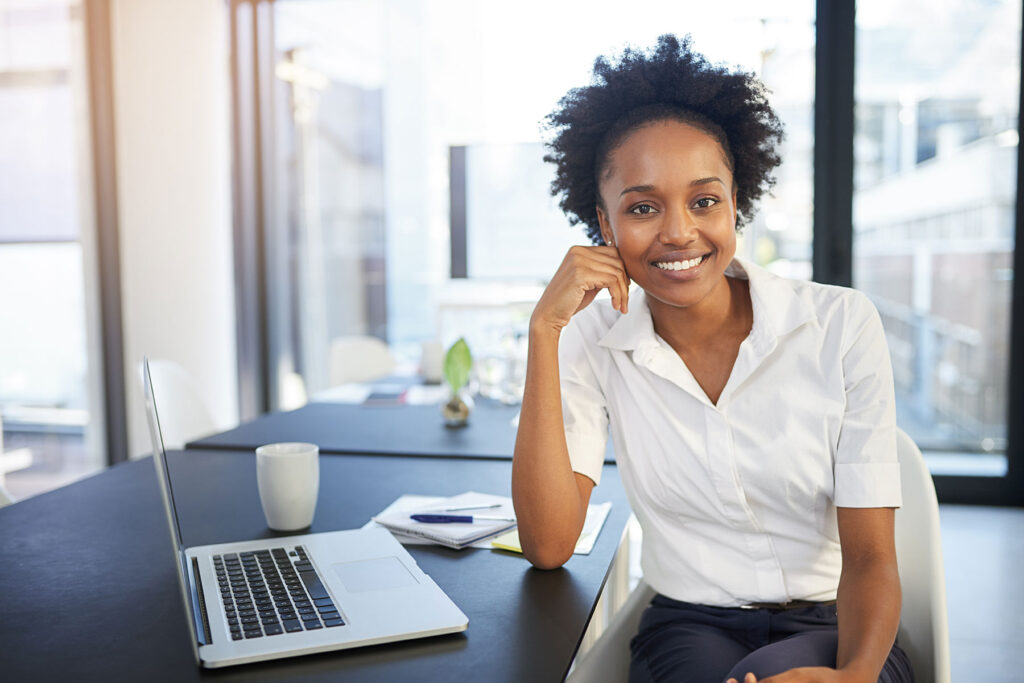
(358, 359)
(292, 392)
(5, 497)
(180, 405)
(22, 454)
(924, 625)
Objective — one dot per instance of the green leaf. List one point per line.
(457, 364)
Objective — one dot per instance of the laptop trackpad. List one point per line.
(374, 575)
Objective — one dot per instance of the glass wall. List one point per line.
(937, 87)
(44, 362)
(371, 97)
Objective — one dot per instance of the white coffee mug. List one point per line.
(288, 477)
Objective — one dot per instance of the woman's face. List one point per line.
(670, 209)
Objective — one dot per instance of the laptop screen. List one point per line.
(163, 475)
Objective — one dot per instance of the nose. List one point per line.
(679, 227)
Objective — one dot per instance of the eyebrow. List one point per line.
(705, 181)
(648, 188)
(637, 188)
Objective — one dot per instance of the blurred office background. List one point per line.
(234, 184)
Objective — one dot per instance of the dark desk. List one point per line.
(89, 590)
(381, 430)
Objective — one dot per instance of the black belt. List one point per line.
(792, 604)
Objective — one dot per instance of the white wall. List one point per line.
(171, 108)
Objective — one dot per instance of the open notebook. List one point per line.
(395, 518)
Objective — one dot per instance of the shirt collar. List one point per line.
(777, 310)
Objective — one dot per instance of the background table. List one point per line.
(89, 588)
(382, 430)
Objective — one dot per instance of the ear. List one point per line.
(735, 192)
(606, 228)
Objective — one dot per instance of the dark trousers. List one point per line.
(683, 642)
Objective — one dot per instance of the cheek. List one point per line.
(631, 245)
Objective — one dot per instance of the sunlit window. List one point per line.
(44, 370)
(937, 90)
(374, 96)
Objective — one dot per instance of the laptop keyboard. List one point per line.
(269, 592)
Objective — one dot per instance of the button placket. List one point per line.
(728, 483)
(722, 464)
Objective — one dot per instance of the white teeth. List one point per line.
(680, 265)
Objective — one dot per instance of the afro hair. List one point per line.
(669, 82)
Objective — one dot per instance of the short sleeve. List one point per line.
(867, 470)
(584, 410)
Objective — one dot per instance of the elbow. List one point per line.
(547, 557)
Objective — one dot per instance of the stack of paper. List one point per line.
(396, 518)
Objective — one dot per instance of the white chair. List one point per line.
(924, 623)
(358, 359)
(5, 497)
(608, 660)
(292, 392)
(180, 405)
(924, 626)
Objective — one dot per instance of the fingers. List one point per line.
(610, 256)
(616, 282)
(601, 267)
(584, 272)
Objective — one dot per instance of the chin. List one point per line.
(676, 299)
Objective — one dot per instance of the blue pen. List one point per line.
(465, 519)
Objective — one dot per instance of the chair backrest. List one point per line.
(180, 404)
(358, 359)
(292, 392)
(924, 625)
(5, 497)
(607, 661)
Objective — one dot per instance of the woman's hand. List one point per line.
(805, 674)
(584, 272)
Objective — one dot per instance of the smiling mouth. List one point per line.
(682, 265)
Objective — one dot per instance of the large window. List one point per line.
(409, 201)
(937, 89)
(49, 436)
(370, 101)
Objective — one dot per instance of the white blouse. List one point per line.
(737, 500)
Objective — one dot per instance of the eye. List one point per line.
(705, 203)
(642, 209)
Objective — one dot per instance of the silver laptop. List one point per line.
(280, 597)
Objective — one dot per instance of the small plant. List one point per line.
(457, 364)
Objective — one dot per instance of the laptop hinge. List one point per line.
(199, 607)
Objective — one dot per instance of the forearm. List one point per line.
(547, 499)
(869, 615)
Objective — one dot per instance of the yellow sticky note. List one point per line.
(508, 541)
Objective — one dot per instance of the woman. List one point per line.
(752, 417)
